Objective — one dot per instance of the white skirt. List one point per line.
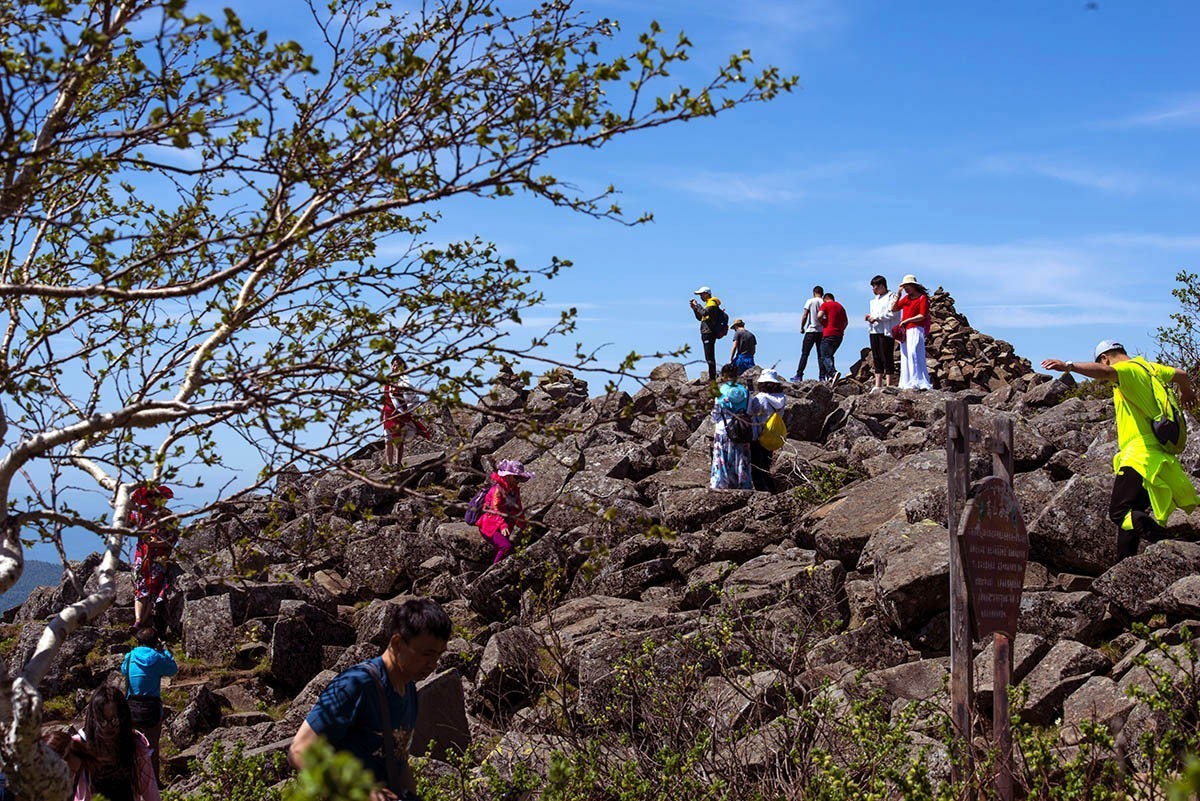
(914, 373)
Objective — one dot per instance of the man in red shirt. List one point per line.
(832, 316)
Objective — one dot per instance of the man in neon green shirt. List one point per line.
(1150, 482)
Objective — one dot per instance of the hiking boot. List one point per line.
(796, 379)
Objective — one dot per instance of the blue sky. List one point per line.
(1035, 158)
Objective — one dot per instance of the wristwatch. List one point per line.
(1070, 366)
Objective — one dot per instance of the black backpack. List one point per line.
(738, 427)
(718, 322)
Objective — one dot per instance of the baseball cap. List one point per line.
(702, 290)
(1105, 345)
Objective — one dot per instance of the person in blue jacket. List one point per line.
(144, 669)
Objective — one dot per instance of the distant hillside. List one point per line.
(37, 574)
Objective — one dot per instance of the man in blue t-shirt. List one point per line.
(144, 668)
(348, 712)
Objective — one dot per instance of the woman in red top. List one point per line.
(913, 305)
(503, 513)
(152, 556)
(399, 401)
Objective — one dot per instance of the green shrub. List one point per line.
(234, 776)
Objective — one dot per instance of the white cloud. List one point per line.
(1182, 112)
(779, 186)
(1154, 241)
(730, 188)
(1023, 284)
(1113, 180)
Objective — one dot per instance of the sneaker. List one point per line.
(796, 379)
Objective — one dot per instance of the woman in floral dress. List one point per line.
(731, 460)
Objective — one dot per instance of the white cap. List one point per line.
(702, 290)
(1105, 345)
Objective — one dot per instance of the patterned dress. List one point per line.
(731, 460)
(156, 541)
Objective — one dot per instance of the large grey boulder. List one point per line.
(1099, 700)
(1078, 615)
(730, 705)
(690, 509)
(1027, 649)
(543, 566)
(659, 654)
(871, 646)
(581, 621)
(1133, 583)
(297, 642)
(1074, 423)
(442, 729)
(1181, 599)
(510, 673)
(911, 564)
(842, 527)
(815, 588)
(922, 680)
(207, 626)
(1062, 671)
(1073, 533)
(200, 715)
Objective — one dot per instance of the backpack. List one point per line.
(719, 322)
(738, 427)
(774, 432)
(475, 507)
(1169, 424)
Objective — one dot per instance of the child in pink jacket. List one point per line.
(503, 515)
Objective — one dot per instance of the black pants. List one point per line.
(1129, 498)
(883, 354)
(710, 355)
(810, 339)
(829, 346)
(760, 468)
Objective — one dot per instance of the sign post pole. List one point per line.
(958, 445)
(1002, 653)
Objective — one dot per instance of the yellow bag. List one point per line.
(774, 432)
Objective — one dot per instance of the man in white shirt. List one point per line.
(880, 320)
(812, 330)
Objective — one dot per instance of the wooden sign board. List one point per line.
(995, 550)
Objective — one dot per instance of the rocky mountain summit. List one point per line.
(835, 584)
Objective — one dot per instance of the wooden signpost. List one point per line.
(989, 549)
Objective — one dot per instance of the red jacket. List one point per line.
(502, 508)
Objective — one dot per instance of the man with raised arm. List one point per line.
(1149, 483)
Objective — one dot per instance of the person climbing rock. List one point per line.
(1150, 483)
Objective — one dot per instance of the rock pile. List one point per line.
(842, 571)
(960, 357)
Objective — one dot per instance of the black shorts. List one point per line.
(146, 710)
(883, 352)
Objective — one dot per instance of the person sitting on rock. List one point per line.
(1150, 483)
(503, 513)
(152, 556)
(144, 668)
(370, 710)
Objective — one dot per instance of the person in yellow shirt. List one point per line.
(712, 320)
(1149, 483)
